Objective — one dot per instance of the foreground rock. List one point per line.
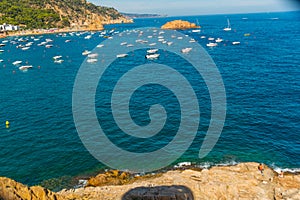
(242, 181)
(12, 190)
(179, 24)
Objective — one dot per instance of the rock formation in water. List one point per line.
(179, 24)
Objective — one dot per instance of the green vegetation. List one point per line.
(51, 13)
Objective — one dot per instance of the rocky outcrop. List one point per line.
(179, 24)
(113, 177)
(241, 182)
(12, 190)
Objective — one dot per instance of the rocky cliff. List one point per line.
(243, 181)
(179, 24)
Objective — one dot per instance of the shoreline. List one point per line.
(45, 31)
(99, 27)
(240, 181)
(74, 181)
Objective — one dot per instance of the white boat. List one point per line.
(1, 50)
(152, 50)
(211, 38)
(93, 55)
(2, 45)
(100, 45)
(58, 61)
(196, 30)
(57, 57)
(186, 50)
(49, 40)
(17, 62)
(130, 45)
(152, 44)
(92, 60)
(219, 40)
(192, 41)
(152, 56)
(228, 28)
(28, 44)
(86, 52)
(1, 61)
(236, 43)
(122, 55)
(202, 37)
(88, 37)
(212, 44)
(123, 43)
(169, 43)
(49, 46)
(25, 67)
(67, 41)
(42, 43)
(25, 48)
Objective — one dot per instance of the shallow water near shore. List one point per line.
(261, 78)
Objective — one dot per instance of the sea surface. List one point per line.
(261, 76)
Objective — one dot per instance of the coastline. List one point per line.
(240, 181)
(98, 27)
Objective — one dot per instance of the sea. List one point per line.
(261, 76)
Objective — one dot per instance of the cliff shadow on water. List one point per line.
(174, 192)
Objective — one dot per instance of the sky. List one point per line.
(198, 7)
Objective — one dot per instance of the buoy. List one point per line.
(7, 124)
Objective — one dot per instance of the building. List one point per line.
(9, 27)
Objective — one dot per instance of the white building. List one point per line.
(9, 27)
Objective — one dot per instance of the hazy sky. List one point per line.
(198, 7)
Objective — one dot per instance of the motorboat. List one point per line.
(18, 62)
(186, 50)
(152, 56)
(25, 67)
(212, 44)
(219, 40)
(57, 57)
(152, 50)
(86, 52)
(236, 43)
(122, 55)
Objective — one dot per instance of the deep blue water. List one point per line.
(261, 78)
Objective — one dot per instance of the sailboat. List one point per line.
(197, 30)
(228, 28)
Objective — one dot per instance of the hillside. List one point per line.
(56, 13)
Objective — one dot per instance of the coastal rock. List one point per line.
(159, 193)
(179, 24)
(12, 190)
(112, 177)
(239, 182)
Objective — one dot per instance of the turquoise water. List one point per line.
(261, 77)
